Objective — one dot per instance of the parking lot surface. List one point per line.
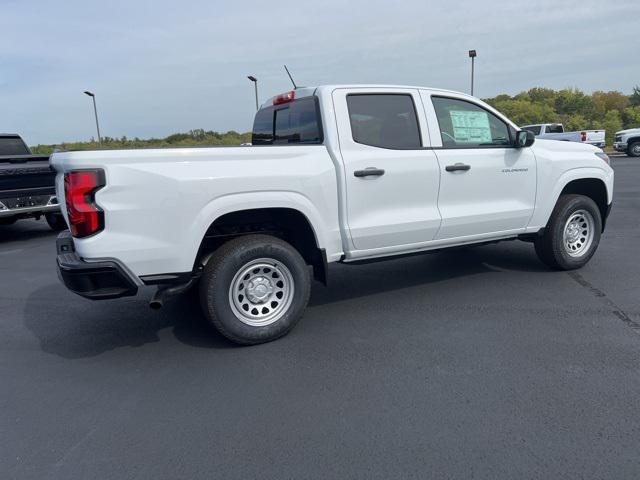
(474, 363)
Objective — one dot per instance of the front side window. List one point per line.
(464, 124)
(384, 120)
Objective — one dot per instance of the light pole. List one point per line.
(95, 111)
(255, 84)
(472, 56)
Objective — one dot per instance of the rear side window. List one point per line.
(290, 123)
(13, 146)
(384, 120)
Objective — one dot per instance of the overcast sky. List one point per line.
(160, 67)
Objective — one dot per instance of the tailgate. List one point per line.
(23, 174)
(595, 135)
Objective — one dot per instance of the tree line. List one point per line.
(612, 111)
(577, 110)
(192, 138)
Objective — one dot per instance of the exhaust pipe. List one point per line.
(163, 292)
(156, 303)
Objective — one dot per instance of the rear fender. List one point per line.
(324, 236)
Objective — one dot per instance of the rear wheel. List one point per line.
(55, 221)
(633, 150)
(572, 234)
(254, 289)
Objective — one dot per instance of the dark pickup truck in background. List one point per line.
(27, 184)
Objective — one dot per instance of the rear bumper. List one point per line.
(94, 280)
(28, 205)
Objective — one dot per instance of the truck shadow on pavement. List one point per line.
(24, 230)
(353, 281)
(73, 328)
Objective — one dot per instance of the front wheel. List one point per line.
(634, 149)
(572, 234)
(254, 289)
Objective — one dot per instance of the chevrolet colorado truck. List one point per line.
(628, 141)
(27, 184)
(335, 174)
(556, 131)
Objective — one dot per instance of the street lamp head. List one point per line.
(252, 78)
(87, 92)
(472, 54)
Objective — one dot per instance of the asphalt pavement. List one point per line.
(474, 363)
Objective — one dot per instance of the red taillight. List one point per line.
(285, 98)
(583, 136)
(85, 217)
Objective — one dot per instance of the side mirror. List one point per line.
(524, 138)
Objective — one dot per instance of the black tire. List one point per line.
(56, 221)
(232, 258)
(8, 220)
(633, 149)
(550, 246)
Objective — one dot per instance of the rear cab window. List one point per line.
(384, 120)
(13, 145)
(554, 128)
(296, 122)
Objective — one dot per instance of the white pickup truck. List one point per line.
(556, 131)
(628, 141)
(335, 174)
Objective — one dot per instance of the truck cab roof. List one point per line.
(302, 92)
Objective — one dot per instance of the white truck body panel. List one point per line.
(158, 204)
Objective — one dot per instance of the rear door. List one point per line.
(487, 186)
(391, 179)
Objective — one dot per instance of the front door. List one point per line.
(487, 185)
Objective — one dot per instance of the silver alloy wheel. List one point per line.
(261, 292)
(578, 233)
(636, 149)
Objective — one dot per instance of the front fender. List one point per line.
(547, 198)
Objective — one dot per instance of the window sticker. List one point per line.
(470, 126)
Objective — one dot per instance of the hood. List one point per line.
(561, 146)
(628, 130)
